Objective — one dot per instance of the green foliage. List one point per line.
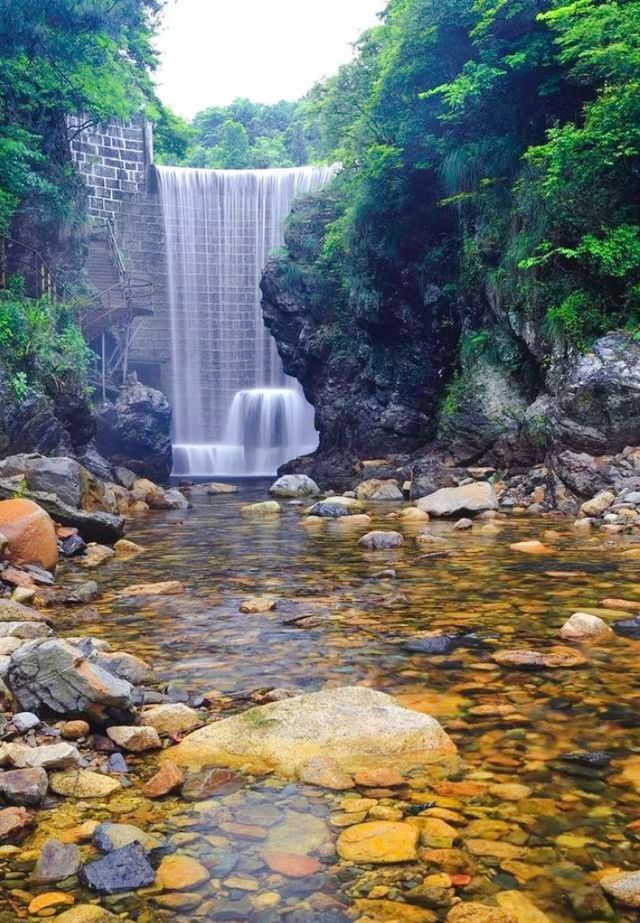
(41, 345)
(84, 58)
(250, 135)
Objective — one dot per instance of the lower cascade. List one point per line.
(235, 412)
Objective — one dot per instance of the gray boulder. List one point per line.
(294, 486)
(59, 476)
(452, 501)
(53, 675)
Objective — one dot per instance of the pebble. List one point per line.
(74, 730)
(49, 901)
(24, 721)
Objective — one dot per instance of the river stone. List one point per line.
(379, 540)
(58, 475)
(24, 787)
(584, 627)
(474, 912)
(382, 841)
(50, 900)
(598, 504)
(624, 887)
(556, 659)
(168, 779)
(57, 861)
(135, 739)
(108, 837)
(450, 501)
(266, 508)
(179, 873)
(355, 726)
(123, 869)
(326, 509)
(172, 719)
(125, 666)
(87, 913)
(83, 783)
(299, 833)
(294, 486)
(163, 588)
(51, 673)
(254, 605)
(15, 824)
(375, 489)
(517, 905)
(47, 756)
(24, 631)
(24, 721)
(13, 611)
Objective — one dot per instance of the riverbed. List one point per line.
(342, 618)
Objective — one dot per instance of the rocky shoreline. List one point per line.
(90, 727)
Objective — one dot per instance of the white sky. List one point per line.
(213, 51)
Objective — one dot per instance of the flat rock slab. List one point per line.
(556, 659)
(451, 501)
(57, 861)
(123, 869)
(379, 842)
(355, 726)
(83, 784)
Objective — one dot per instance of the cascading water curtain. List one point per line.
(235, 411)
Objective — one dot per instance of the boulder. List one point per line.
(134, 431)
(93, 526)
(452, 501)
(294, 486)
(355, 726)
(584, 627)
(598, 504)
(30, 532)
(123, 869)
(266, 508)
(375, 489)
(57, 861)
(24, 787)
(15, 824)
(59, 476)
(379, 540)
(54, 675)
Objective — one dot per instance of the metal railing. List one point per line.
(18, 259)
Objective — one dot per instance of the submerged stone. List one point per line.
(123, 869)
(57, 861)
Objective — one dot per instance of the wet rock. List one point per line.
(379, 778)
(24, 630)
(24, 787)
(57, 861)
(126, 550)
(87, 913)
(117, 763)
(257, 604)
(294, 486)
(172, 719)
(47, 756)
(127, 667)
(584, 627)
(597, 759)
(179, 873)
(13, 611)
(55, 675)
(381, 541)
(123, 869)
(291, 865)
(164, 588)
(432, 644)
(49, 901)
(168, 779)
(474, 912)
(379, 842)
(352, 724)
(628, 628)
(134, 430)
(375, 489)
(598, 504)
(265, 508)
(463, 525)
(96, 555)
(323, 771)
(531, 547)
(83, 783)
(327, 509)
(203, 785)
(520, 907)
(536, 660)
(623, 887)
(411, 514)
(109, 837)
(448, 501)
(57, 475)
(15, 824)
(135, 739)
(30, 532)
(74, 730)
(72, 546)
(386, 911)
(215, 488)
(24, 721)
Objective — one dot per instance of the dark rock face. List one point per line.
(60, 476)
(134, 431)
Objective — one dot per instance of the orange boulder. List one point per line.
(30, 532)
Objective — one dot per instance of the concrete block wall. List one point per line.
(116, 163)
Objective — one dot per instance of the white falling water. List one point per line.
(235, 411)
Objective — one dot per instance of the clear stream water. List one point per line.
(509, 725)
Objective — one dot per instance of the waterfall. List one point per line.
(235, 411)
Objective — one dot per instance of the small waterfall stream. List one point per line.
(235, 411)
